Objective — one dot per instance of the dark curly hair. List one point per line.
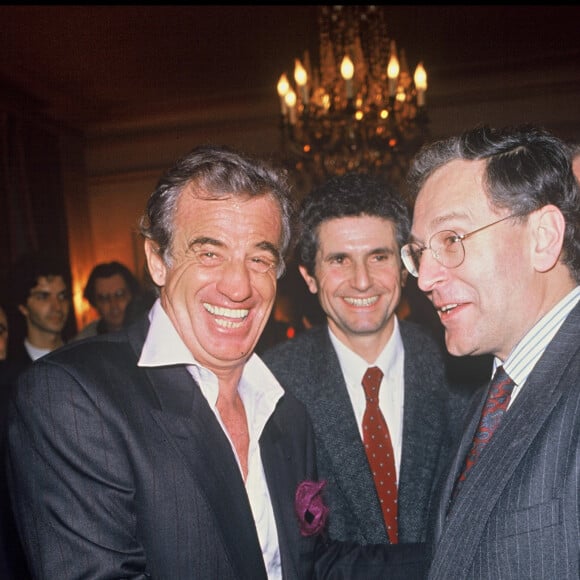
(352, 194)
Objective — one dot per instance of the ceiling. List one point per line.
(85, 64)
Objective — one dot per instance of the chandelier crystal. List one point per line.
(359, 109)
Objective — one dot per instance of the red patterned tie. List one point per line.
(380, 452)
(498, 398)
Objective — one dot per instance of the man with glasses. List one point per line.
(496, 248)
(110, 288)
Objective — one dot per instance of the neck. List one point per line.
(367, 346)
(40, 339)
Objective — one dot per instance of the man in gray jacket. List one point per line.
(349, 255)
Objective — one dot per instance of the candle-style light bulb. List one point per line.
(420, 78)
(301, 78)
(347, 72)
(393, 69)
(283, 87)
(290, 100)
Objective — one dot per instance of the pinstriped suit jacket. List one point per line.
(118, 471)
(518, 513)
(308, 367)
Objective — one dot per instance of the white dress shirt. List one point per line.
(33, 351)
(523, 358)
(391, 394)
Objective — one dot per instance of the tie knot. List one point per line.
(371, 383)
(501, 384)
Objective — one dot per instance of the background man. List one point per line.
(496, 248)
(41, 292)
(349, 255)
(109, 290)
(168, 450)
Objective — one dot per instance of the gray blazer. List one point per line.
(518, 513)
(118, 471)
(308, 367)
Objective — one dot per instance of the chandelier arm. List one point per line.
(359, 109)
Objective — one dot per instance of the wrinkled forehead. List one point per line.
(456, 188)
(233, 222)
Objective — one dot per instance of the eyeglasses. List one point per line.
(446, 246)
(121, 294)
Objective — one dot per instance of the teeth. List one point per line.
(447, 307)
(227, 312)
(361, 301)
(228, 323)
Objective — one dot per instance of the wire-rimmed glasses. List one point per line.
(446, 246)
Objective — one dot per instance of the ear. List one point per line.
(23, 310)
(548, 226)
(155, 263)
(310, 280)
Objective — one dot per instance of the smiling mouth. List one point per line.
(227, 317)
(447, 308)
(361, 301)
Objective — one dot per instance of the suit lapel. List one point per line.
(340, 436)
(421, 443)
(281, 483)
(457, 464)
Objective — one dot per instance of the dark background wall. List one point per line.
(96, 101)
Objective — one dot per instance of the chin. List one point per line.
(458, 347)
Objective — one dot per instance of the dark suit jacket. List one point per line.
(18, 359)
(118, 471)
(12, 562)
(518, 513)
(308, 367)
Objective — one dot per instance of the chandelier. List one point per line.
(359, 109)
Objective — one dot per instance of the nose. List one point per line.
(235, 281)
(431, 272)
(57, 303)
(361, 278)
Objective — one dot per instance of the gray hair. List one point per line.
(216, 172)
(526, 168)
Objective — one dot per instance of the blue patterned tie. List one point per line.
(498, 398)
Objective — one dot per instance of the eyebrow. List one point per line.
(442, 221)
(371, 252)
(264, 245)
(64, 292)
(203, 240)
(381, 250)
(269, 247)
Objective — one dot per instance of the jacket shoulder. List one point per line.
(305, 347)
(299, 361)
